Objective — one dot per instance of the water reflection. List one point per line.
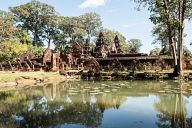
(99, 104)
(172, 111)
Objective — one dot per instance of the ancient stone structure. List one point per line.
(114, 65)
(50, 61)
(101, 49)
(92, 64)
(116, 48)
(86, 48)
(96, 58)
(76, 50)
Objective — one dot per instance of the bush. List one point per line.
(36, 50)
(10, 50)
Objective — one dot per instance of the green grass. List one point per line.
(9, 76)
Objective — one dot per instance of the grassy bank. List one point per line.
(11, 76)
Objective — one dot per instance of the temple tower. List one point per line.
(116, 48)
(86, 48)
(101, 49)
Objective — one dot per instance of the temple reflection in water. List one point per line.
(98, 104)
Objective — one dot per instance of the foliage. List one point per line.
(186, 52)
(69, 31)
(165, 51)
(62, 44)
(171, 14)
(91, 23)
(155, 52)
(161, 35)
(7, 28)
(72, 28)
(10, 50)
(51, 28)
(109, 38)
(24, 37)
(33, 17)
(134, 45)
(36, 50)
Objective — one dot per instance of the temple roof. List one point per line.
(138, 58)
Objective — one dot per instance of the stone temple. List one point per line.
(85, 57)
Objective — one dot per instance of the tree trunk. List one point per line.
(49, 43)
(35, 39)
(180, 50)
(174, 54)
(182, 9)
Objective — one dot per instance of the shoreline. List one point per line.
(22, 79)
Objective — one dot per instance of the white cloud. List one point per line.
(92, 3)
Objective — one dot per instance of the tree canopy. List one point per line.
(171, 14)
(155, 52)
(7, 28)
(34, 17)
(9, 50)
(35, 25)
(91, 23)
(134, 45)
(109, 38)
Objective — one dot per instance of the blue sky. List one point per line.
(119, 15)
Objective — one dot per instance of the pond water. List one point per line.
(110, 104)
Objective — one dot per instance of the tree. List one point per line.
(24, 37)
(160, 34)
(70, 30)
(161, 37)
(186, 52)
(36, 50)
(134, 45)
(7, 29)
(155, 52)
(51, 28)
(33, 18)
(171, 13)
(109, 38)
(91, 23)
(10, 50)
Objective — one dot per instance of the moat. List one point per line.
(107, 104)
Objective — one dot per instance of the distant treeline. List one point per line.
(36, 25)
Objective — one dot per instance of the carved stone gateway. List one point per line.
(47, 56)
(76, 50)
(92, 64)
(54, 62)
